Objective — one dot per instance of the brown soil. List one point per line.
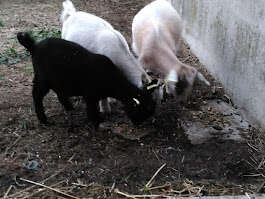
(120, 156)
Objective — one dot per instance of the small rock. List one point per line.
(31, 165)
(216, 127)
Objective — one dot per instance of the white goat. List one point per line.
(156, 34)
(98, 36)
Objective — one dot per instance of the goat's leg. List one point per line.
(104, 106)
(65, 102)
(93, 114)
(38, 92)
(68, 107)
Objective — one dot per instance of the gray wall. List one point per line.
(229, 38)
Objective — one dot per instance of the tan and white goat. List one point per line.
(156, 37)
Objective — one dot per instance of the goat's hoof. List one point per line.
(91, 128)
(71, 129)
(104, 126)
(45, 125)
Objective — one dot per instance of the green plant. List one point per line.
(2, 76)
(45, 33)
(1, 23)
(145, 188)
(11, 56)
(12, 51)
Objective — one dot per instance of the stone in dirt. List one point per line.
(216, 119)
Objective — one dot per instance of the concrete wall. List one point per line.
(229, 38)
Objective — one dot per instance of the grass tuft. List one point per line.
(12, 56)
(45, 33)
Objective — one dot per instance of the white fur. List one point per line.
(98, 36)
(172, 76)
(157, 34)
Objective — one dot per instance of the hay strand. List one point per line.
(148, 185)
(50, 188)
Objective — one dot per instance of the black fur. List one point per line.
(27, 41)
(70, 70)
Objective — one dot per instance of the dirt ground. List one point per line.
(121, 157)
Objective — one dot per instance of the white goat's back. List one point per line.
(155, 23)
(98, 36)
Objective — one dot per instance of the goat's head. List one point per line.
(141, 107)
(179, 83)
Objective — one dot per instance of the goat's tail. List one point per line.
(26, 40)
(68, 10)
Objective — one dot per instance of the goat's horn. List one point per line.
(136, 101)
(152, 86)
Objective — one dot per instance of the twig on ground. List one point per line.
(41, 190)
(8, 190)
(261, 187)
(262, 163)
(159, 187)
(13, 144)
(156, 156)
(29, 188)
(247, 195)
(199, 191)
(251, 146)
(50, 188)
(18, 183)
(112, 187)
(253, 175)
(82, 184)
(148, 185)
(188, 190)
(71, 158)
(136, 196)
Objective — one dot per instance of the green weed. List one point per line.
(2, 76)
(11, 56)
(45, 33)
(1, 23)
(145, 188)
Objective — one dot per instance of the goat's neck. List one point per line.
(131, 68)
(126, 91)
(166, 61)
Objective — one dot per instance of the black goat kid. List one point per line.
(70, 70)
